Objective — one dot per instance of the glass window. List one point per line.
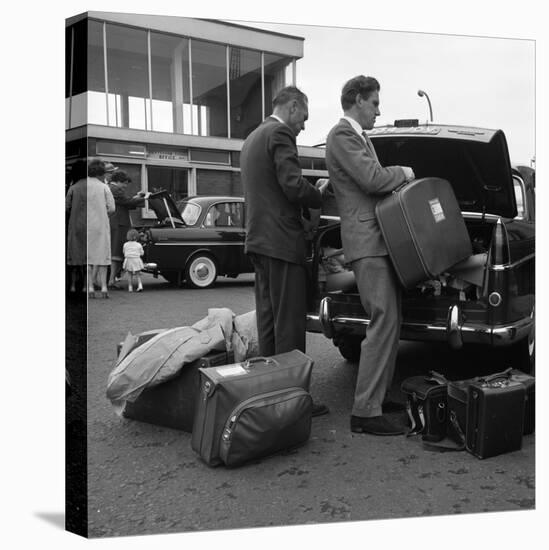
(209, 73)
(319, 164)
(306, 163)
(275, 78)
(120, 148)
(218, 182)
(128, 77)
(167, 66)
(173, 180)
(209, 155)
(245, 91)
(68, 60)
(224, 214)
(81, 58)
(519, 195)
(190, 212)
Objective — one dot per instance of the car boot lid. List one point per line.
(474, 160)
(163, 205)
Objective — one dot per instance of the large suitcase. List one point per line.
(253, 409)
(495, 418)
(458, 397)
(489, 412)
(423, 229)
(172, 403)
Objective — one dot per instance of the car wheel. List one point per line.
(349, 347)
(201, 271)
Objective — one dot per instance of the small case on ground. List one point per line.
(490, 412)
(426, 405)
(172, 403)
(253, 409)
(495, 417)
(423, 229)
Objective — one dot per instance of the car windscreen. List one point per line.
(190, 212)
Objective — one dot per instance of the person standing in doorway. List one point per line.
(277, 196)
(359, 182)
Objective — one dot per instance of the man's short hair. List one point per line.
(289, 93)
(363, 85)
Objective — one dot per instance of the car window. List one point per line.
(190, 212)
(224, 214)
(519, 195)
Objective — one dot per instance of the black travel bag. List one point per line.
(172, 403)
(253, 409)
(426, 405)
(490, 412)
(423, 229)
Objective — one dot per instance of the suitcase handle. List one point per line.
(505, 374)
(268, 360)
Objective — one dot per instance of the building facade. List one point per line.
(170, 100)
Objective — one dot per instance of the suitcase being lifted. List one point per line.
(423, 229)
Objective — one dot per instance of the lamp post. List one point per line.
(421, 93)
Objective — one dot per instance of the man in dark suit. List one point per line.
(276, 197)
(359, 182)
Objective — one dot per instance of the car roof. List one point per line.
(208, 199)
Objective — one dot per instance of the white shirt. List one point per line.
(278, 118)
(355, 125)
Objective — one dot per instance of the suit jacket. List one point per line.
(275, 193)
(359, 182)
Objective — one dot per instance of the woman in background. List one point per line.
(90, 202)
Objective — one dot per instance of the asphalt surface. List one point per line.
(145, 479)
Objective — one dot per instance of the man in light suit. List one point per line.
(276, 197)
(359, 182)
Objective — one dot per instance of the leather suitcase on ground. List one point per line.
(458, 397)
(495, 417)
(253, 409)
(172, 403)
(423, 229)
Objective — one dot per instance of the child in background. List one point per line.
(133, 263)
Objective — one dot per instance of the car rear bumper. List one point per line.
(454, 331)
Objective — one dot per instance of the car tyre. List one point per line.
(201, 271)
(349, 347)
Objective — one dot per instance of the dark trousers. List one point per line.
(281, 304)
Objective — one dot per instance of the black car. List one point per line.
(492, 304)
(196, 240)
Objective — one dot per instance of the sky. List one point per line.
(471, 81)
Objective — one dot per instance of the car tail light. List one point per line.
(499, 247)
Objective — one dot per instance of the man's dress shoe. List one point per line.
(375, 425)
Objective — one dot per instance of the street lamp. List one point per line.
(421, 93)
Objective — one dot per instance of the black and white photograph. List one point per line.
(294, 279)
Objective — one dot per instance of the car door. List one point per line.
(224, 229)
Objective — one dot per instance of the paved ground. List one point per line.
(145, 479)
